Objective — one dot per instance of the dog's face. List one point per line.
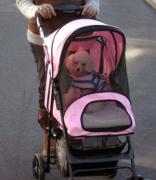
(79, 64)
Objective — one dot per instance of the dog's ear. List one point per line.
(69, 63)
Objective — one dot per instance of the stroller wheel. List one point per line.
(38, 166)
(61, 156)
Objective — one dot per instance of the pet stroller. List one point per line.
(87, 143)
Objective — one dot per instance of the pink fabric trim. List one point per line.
(48, 42)
(47, 99)
(72, 117)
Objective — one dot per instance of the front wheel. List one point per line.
(38, 166)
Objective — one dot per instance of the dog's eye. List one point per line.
(76, 63)
(83, 64)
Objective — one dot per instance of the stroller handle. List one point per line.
(59, 9)
(68, 8)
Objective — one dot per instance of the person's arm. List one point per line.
(28, 9)
(95, 3)
(91, 8)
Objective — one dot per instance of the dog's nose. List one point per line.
(78, 69)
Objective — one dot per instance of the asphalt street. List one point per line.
(20, 135)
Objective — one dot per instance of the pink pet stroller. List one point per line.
(87, 143)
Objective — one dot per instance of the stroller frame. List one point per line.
(75, 163)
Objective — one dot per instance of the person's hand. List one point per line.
(89, 11)
(46, 11)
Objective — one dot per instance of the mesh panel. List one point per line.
(93, 62)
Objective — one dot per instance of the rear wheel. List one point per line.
(38, 166)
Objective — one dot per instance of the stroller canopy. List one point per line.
(105, 43)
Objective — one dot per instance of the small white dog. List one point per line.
(85, 80)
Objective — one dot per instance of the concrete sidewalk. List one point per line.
(152, 3)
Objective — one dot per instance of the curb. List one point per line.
(151, 3)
